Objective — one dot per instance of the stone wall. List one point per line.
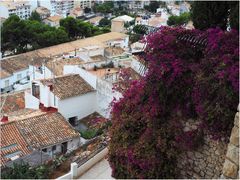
(213, 159)
(231, 164)
(206, 162)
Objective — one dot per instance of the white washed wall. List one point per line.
(2, 81)
(73, 144)
(88, 77)
(79, 106)
(31, 101)
(44, 95)
(23, 73)
(35, 74)
(76, 171)
(105, 95)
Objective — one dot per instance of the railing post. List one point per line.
(74, 170)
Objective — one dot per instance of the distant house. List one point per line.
(72, 96)
(153, 21)
(20, 8)
(53, 21)
(114, 39)
(117, 24)
(43, 12)
(14, 74)
(95, 21)
(76, 12)
(132, 4)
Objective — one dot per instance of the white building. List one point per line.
(72, 96)
(117, 24)
(43, 12)
(14, 74)
(20, 8)
(138, 4)
(83, 3)
(60, 7)
(53, 21)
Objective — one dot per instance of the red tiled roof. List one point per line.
(12, 141)
(68, 86)
(46, 130)
(12, 102)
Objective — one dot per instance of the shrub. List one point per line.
(88, 134)
(24, 171)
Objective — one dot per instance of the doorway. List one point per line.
(73, 120)
(64, 147)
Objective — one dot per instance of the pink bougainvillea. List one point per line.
(184, 80)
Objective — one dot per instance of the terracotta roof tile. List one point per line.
(19, 62)
(95, 19)
(110, 36)
(4, 74)
(68, 86)
(114, 51)
(58, 65)
(46, 130)
(12, 102)
(54, 18)
(98, 58)
(12, 141)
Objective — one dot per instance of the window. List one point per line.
(8, 147)
(6, 83)
(19, 76)
(44, 150)
(54, 148)
(13, 154)
(35, 90)
(73, 121)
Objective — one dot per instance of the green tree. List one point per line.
(106, 7)
(61, 35)
(105, 30)
(153, 6)
(24, 171)
(208, 14)
(70, 24)
(139, 29)
(13, 34)
(104, 22)
(35, 16)
(87, 29)
(178, 20)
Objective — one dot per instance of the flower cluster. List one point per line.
(183, 81)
